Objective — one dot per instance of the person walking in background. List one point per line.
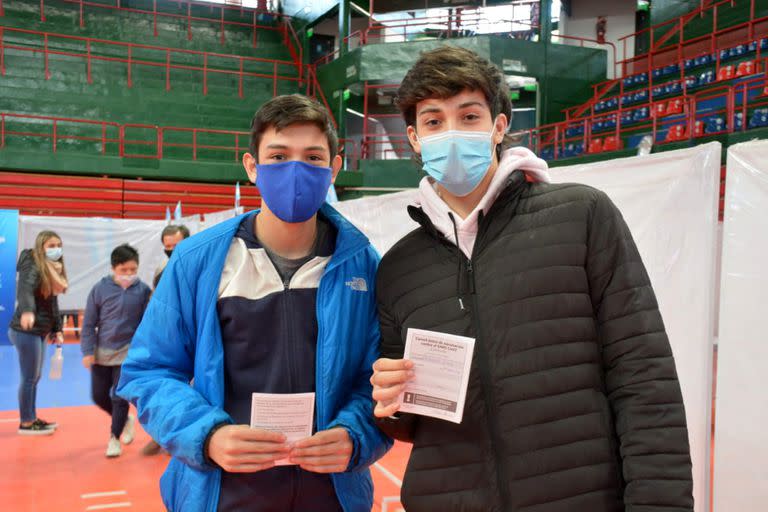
(112, 314)
(42, 278)
(170, 237)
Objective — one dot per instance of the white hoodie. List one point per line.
(438, 211)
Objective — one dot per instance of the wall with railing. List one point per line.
(103, 78)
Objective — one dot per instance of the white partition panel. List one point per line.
(741, 467)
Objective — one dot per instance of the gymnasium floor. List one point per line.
(68, 472)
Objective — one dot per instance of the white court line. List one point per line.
(102, 494)
(392, 478)
(122, 504)
(10, 420)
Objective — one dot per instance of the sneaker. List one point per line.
(129, 430)
(46, 424)
(35, 429)
(114, 449)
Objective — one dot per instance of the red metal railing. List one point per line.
(164, 60)
(147, 141)
(155, 14)
(555, 135)
(315, 91)
(602, 89)
(55, 135)
(196, 139)
(683, 48)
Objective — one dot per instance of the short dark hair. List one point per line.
(123, 254)
(283, 111)
(172, 229)
(445, 72)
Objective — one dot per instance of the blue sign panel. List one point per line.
(9, 235)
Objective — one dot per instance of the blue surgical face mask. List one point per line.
(54, 253)
(293, 190)
(458, 160)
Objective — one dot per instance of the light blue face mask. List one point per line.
(54, 253)
(458, 160)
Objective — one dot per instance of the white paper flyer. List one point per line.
(441, 365)
(288, 414)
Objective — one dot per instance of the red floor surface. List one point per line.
(68, 471)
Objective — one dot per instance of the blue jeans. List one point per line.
(31, 349)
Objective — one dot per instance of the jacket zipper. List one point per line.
(490, 405)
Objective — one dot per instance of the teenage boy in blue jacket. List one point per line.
(275, 301)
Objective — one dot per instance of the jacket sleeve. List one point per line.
(402, 425)
(156, 374)
(370, 443)
(29, 280)
(640, 376)
(88, 335)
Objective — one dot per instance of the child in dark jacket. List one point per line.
(113, 312)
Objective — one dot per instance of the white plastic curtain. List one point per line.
(88, 243)
(741, 473)
(670, 202)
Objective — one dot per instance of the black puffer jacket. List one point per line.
(29, 299)
(573, 402)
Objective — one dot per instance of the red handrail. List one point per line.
(130, 61)
(730, 92)
(609, 84)
(188, 16)
(55, 136)
(159, 141)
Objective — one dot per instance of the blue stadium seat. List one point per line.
(737, 51)
(707, 77)
(641, 114)
(691, 82)
(689, 64)
(613, 103)
(627, 118)
(764, 43)
(657, 73)
(547, 153)
(641, 79)
(599, 106)
(574, 131)
(671, 69)
(573, 149)
(759, 118)
(725, 54)
(629, 81)
(610, 123)
(597, 126)
(738, 121)
(658, 91)
(752, 47)
(641, 96)
(674, 88)
(715, 124)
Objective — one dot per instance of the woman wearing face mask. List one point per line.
(41, 279)
(113, 312)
